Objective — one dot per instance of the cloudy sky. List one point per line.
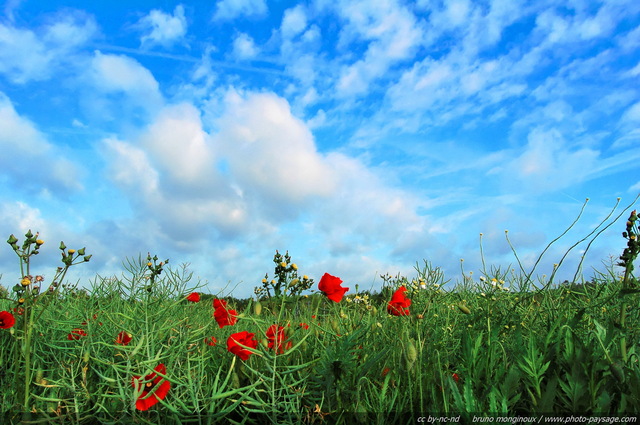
(362, 136)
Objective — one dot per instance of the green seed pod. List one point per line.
(617, 372)
(39, 375)
(463, 308)
(411, 351)
(235, 380)
(257, 308)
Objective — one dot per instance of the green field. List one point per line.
(497, 343)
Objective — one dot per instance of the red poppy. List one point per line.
(152, 388)
(194, 297)
(455, 377)
(223, 316)
(304, 326)
(330, 285)
(211, 340)
(385, 371)
(123, 338)
(399, 304)
(276, 337)
(76, 334)
(19, 311)
(236, 341)
(6, 320)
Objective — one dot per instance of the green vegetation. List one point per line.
(141, 347)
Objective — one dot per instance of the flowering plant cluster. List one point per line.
(286, 280)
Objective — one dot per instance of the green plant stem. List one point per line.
(623, 314)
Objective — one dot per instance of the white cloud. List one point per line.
(27, 55)
(271, 152)
(231, 9)
(294, 22)
(162, 28)
(244, 47)
(548, 165)
(393, 33)
(29, 160)
(119, 86)
(179, 146)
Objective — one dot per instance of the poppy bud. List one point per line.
(39, 375)
(85, 357)
(235, 380)
(411, 351)
(257, 308)
(463, 308)
(334, 326)
(617, 372)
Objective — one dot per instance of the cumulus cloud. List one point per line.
(119, 86)
(244, 47)
(270, 152)
(31, 161)
(28, 55)
(294, 22)
(232, 9)
(163, 29)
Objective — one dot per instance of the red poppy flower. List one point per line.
(6, 320)
(211, 340)
(399, 304)
(304, 326)
(153, 388)
(385, 371)
(19, 311)
(123, 338)
(223, 316)
(276, 337)
(330, 285)
(194, 297)
(76, 334)
(455, 377)
(236, 341)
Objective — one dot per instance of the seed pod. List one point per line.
(335, 326)
(617, 372)
(39, 375)
(257, 308)
(235, 380)
(463, 308)
(411, 351)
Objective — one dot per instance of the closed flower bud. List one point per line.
(411, 351)
(62, 246)
(81, 251)
(39, 242)
(463, 308)
(617, 372)
(72, 251)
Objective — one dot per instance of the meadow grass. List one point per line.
(502, 344)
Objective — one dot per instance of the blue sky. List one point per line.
(362, 136)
